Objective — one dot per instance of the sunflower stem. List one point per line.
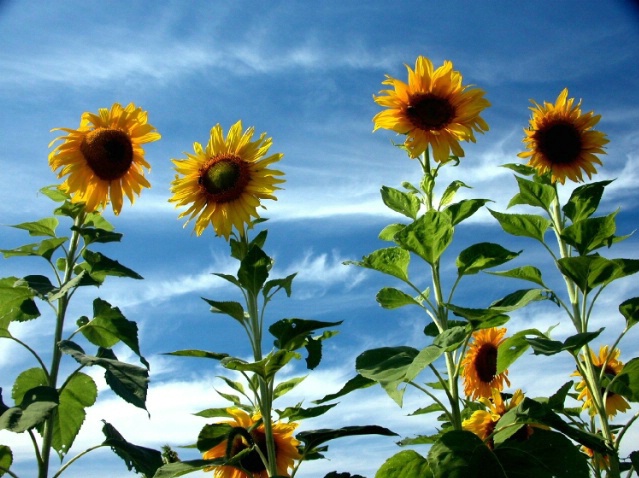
(63, 302)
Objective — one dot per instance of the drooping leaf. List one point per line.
(43, 227)
(450, 191)
(129, 382)
(297, 413)
(588, 272)
(355, 383)
(78, 393)
(313, 438)
(545, 346)
(533, 194)
(591, 233)
(391, 260)
(556, 400)
(16, 301)
(35, 407)
(405, 464)
(212, 435)
(99, 267)
(392, 298)
(265, 368)
(482, 256)
(528, 273)
(518, 299)
(404, 203)
(428, 355)
(480, 318)
(180, 468)
(451, 338)
(6, 459)
(145, 461)
(97, 235)
(513, 347)
(388, 233)
(463, 454)
(198, 353)
(292, 334)
(428, 236)
(626, 383)
(584, 201)
(388, 366)
(630, 310)
(254, 269)
(523, 225)
(463, 209)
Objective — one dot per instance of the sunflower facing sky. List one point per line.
(480, 364)
(482, 422)
(560, 140)
(223, 183)
(103, 158)
(612, 366)
(434, 109)
(285, 448)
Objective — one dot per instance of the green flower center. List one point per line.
(108, 152)
(486, 363)
(224, 178)
(559, 142)
(252, 461)
(429, 112)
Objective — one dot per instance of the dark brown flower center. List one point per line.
(252, 461)
(486, 363)
(430, 112)
(108, 152)
(224, 178)
(559, 142)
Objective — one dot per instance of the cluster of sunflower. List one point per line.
(223, 184)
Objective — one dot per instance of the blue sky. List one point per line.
(305, 74)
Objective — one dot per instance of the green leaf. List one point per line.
(286, 283)
(533, 194)
(450, 191)
(94, 234)
(480, 318)
(584, 201)
(6, 459)
(44, 248)
(292, 334)
(198, 353)
(463, 454)
(230, 308)
(556, 401)
(180, 468)
(265, 368)
(626, 383)
(313, 438)
(214, 413)
(79, 392)
(145, 461)
(254, 269)
(588, 272)
(43, 227)
(40, 284)
(522, 169)
(286, 386)
(525, 225)
(54, 193)
(427, 356)
(428, 236)
(36, 406)
(391, 260)
(630, 310)
(513, 347)
(130, 382)
(545, 346)
(16, 301)
(388, 366)
(545, 454)
(592, 233)
(109, 326)
(433, 407)
(297, 413)
(451, 338)
(462, 210)
(212, 435)
(528, 273)
(482, 256)
(388, 233)
(355, 383)
(391, 298)
(518, 299)
(404, 203)
(28, 380)
(405, 464)
(99, 266)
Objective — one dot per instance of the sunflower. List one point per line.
(224, 183)
(560, 140)
(433, 108)
(482, 422)
(612, 366)
(480, 364)
(285, 448)
(104, 158)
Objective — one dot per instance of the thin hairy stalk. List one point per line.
(435, 399)
(75, 458)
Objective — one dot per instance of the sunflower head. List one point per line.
(248, 432)
(612, 366)
(480, 364)
(103, 159)
(433, 108)
(560, 140)
(223, 184)
(483, 422)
